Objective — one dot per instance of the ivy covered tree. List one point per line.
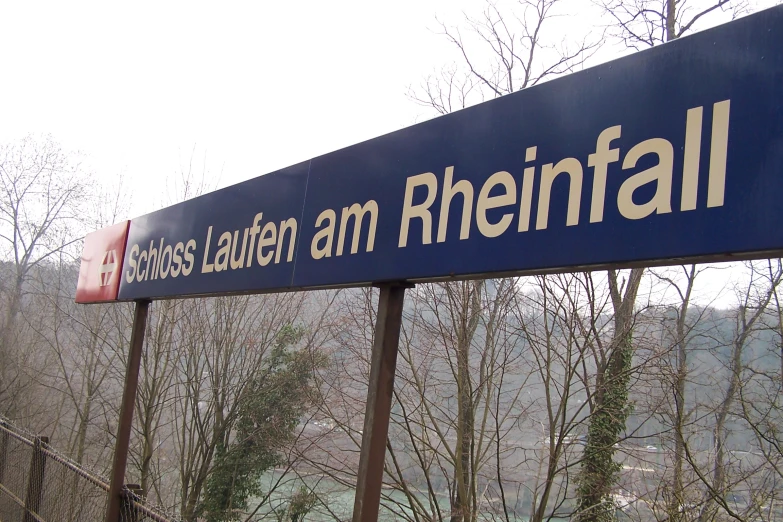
(269, 411)
(609, 407)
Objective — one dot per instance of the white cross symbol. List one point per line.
(107, 267)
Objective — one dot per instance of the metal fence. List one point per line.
(37, 484)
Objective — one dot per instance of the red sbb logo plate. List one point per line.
(101, 268)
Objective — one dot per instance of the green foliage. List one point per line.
(234, 479)
(301, 503)
(268, 412)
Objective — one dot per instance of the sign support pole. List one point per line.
(379, 398)
(126, 411)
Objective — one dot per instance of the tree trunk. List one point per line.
(7, 340)
(719, 434)
(676, 505)
(468, 301)
(671, 20)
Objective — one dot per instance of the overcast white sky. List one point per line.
(253, 86)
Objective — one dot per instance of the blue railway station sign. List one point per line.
(674, 153)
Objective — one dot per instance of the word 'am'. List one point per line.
(661, 173)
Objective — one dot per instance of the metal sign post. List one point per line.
(379, 398)
(126, 411)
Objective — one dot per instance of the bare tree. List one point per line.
(458, 354)
(754, 300)
(454, 409)
(502, 50)
(153, 400)
(42, 192)
(153, 449)
(761, 401)
(675, 367)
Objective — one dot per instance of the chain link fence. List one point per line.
(37, 484)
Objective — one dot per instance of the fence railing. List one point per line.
(37, 484)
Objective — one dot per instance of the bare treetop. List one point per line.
(43, 190)
(506, 48)
(645, 23)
